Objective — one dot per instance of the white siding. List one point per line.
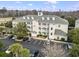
(35, 28)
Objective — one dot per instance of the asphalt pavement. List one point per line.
(35, 45)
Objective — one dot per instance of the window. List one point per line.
(34, 32)
(28, 22)
(51, 33)
(40, 28)
(28, 26)
(58, 25)
(57, 37)
(44, 33)
(44, 28)
(51, 28)
(44, 23)
(39, 23)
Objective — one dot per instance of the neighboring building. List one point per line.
(52, 26)
(77, 23)
(4, 20)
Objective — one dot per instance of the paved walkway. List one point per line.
(51, 40)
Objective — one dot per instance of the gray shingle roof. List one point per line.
(60, 32)
(57, 20)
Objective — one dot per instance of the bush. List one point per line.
(62, 39)
(3, 54)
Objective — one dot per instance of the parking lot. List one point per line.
(52, 50)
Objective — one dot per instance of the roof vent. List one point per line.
(48, 18)
(53, 18)
(24, 17)
(40, 13)
(42, 18)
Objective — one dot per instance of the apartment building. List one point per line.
(52, 26)
(77, 23)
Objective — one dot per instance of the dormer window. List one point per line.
(32, 17)
(23, 17)
(42, 18)
(28, 17)
(53, 18)
(48, 18)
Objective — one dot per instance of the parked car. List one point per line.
(25, 38)
(10, 36)
(36, 53)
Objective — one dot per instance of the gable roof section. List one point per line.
(57, 20)
(60, 32)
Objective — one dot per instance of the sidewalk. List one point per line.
(36, 38)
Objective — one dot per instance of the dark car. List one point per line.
(10, 37)
(25, 38)
(36, 53)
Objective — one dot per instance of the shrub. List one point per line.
(62, 39)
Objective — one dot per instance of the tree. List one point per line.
(71, 21)
(20, 30)
(74, 36)
(15, 49)
(18, 50)
(1, 29)
(74, 52)
(24, 53)
(34, 12)
(3, 10)
(3, 54)
(1, 45)
(8, 24)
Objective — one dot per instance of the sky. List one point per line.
(41, 5)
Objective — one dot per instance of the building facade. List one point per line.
(52, 26)
(77, 23)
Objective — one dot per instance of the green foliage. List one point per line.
(74, 36)
(24, 53)
(3, 54)
(18, 50)
(62, 39)
(62, 16)
(1, 29)
(42, 35)
(20, 30)
(74, 52)
(1, 45)
(71, 21)
(2, 24)
(8, 24)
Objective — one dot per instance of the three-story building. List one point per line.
(52, 26)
